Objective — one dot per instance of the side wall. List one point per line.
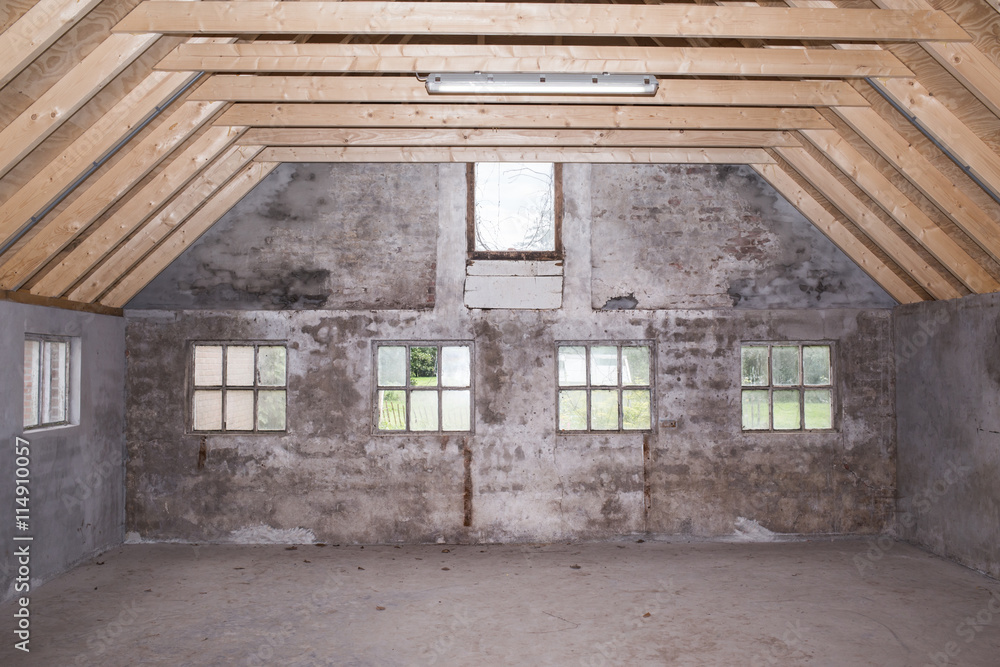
(948, 407)
(76, 472)
(330, 479)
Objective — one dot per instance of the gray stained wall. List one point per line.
(948, 406)
(329, 475)
(76, 472)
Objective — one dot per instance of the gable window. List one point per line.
(238, 387)
(46, 381)
(515, 210)
(605, 387)
(423, 387)
(787, 386)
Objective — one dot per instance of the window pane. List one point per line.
(754, 362)
(755, 410)
(32, 350)
(239, 410)
(456, 410)
(515, 206)
(604, 366)
(57, 353)
(819, 408)
(271, 366)
(636, 409)
(208, 365)
(573, 410)
(635, 365)
(423, 366)
(392, 366)
(572, 365)
(785, 365)
(239, 366)
(816, 364)
(423, 411)
(207, 410)
(455, 366)
(604, 410)
(391, 410)
(271, 411)
(786, 410)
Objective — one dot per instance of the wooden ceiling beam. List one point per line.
(873, 226)
(109, 236)
(917, 169)
(189, 231)
(517, 154)
(408, 58)
(51, 235)
(78, 157)
(842, 237)
(907, 214)
(963, 60)
(521, 116)
(66, 97)
(37, 30)
(301, 137)
(608, 20)
(934, 117)
(687, 92)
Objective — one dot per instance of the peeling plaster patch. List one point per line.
(627, 302)
(261, 534)
(748, 530)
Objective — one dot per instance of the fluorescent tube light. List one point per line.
(543, 84)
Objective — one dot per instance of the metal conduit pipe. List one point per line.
(916, 123)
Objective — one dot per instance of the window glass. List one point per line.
(239, 387)
(612, 387)
(434, 396)
(514, 206)
(796, 395)
(46, 378)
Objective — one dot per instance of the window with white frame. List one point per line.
(515, 210)
(787, 386)
(605, 387)
(238, 387)
(423, 387)
(46, 381)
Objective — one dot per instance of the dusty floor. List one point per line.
(838, 603)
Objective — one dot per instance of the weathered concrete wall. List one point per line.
(331, 476)
(314, 236)
(76, 500)
(948, 413)
(693, 236)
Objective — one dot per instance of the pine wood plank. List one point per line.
(517, 154)
(464, 18)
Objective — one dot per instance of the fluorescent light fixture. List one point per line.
(543, 84)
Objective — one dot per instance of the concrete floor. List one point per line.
(838, 603)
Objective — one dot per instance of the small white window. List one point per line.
(423, 387)
(605, 387)
(238, 387)
(46, 381)
(515, 210)
(787, 386)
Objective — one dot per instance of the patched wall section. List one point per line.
(314, 236)
(948, 407)
(693, 236)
